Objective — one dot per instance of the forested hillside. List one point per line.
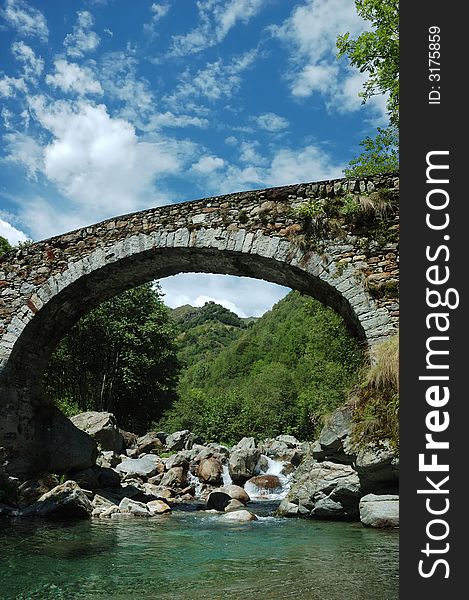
(280, 374)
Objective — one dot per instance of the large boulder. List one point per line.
(158, 507)
(236, 492)
(134, 508)
(210, 471)
(218, 500)
(323, 489)
(377, 466)
(176, 477)
(239, 516)
(102, 427)
(146, 466)
(180, 440)
(284, 448)
(265, 482)
(32, 489)
(379, 511)
(149, 443)
(66, 500)
(243, 460)
(334, 442)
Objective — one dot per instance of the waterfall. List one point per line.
(274, 467)
(226, 476)
(192, 480)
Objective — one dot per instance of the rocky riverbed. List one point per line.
(149, 476)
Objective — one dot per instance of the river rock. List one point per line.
(377, 466)
(180, 440)
(334, 442)
(137, 509)
(243, 460)
(236, 492)
(102, 427)
(240, 516)
(210, 471)
(149, 443)
(265, 482)
(145, 466)
(180, 459)
(66, 500)
(32, 489)
(233, 505)
(158, 507)
(175, 478)
(379, 511)
(218, 500)
(130, 439)
(108, 459)
(315, 482)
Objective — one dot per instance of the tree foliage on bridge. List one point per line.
(120, 358)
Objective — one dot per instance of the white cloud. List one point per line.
(311, 34)
(98, 162)
(82, 39)
(242, 295)
(217, 18)
(10, 233)
(27, 20)
(169, 119)
(271, 122)
(10, 85)
(207, 164)
(284, 167)
(69, 77)
(24, 150)
(32, 65)
(158, 11)
(214, 82)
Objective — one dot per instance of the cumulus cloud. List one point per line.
(217, 18)
(24, 150)
(70, 77)
(311, 33)
(10, 85)
(27, 20)
(82, 39)
(243, 295)
(207, 164)
(271, 122)
(32, 64)
(10, 233)
(97, 161)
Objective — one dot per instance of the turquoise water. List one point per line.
(191, 555)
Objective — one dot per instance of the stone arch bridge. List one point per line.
(334, 240)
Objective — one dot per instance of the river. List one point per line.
(190, 555)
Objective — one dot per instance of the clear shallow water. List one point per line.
(192, 556)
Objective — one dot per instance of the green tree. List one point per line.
(380, 155)
(376, 52)
(5, 245)
(120, 358)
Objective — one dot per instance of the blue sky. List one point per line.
(111, 106)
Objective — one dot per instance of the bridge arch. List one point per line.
(49, 285)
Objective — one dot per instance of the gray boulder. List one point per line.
(149, 443)
(243, 460)
(137, 509)
(323, 489)
(102, 427)
(236, 492)
(180, 440)
(176, 477)
(379, 511)
(334, 442)
(66, 500)
(146, 466)
(378, 467)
